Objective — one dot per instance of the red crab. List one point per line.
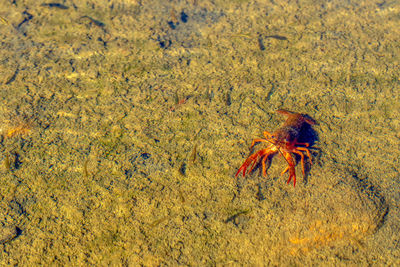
(284, 141)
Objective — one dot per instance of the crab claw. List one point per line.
(252, 161)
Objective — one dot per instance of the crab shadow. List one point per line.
(308, 135)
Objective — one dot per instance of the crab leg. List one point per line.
(307, 151)
(302, 160)
(264, 169)
(292, 171)
(257, 141)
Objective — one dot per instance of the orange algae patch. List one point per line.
(321, 234)
(21, 129)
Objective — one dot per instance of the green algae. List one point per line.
(117, 170)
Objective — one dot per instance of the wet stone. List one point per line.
(8, 233)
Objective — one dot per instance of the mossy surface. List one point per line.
(123, 123)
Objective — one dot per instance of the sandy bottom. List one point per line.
(123, 123)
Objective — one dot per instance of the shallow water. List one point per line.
(123, 125)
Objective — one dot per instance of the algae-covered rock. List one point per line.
(7, 233)
(336, 215)
(334, 212)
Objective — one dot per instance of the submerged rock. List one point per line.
(8, 233)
